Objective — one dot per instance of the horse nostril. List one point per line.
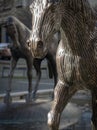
(39, 44)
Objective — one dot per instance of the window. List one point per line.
(8, 4)
(19, 3)
(1, 5)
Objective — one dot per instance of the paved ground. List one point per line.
(21, 84)
(20, 116)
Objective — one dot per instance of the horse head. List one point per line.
(11, 30)
(49, 15)
(46, 20)
(10, 26)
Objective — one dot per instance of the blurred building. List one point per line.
(18, 8)
(93, 2)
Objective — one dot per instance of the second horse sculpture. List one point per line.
(77, 51)
(20, 48)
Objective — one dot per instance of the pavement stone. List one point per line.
(21, 116)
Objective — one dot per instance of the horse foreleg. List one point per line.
(29, 75)
(7, 98)
(61, 96)
(37, 64)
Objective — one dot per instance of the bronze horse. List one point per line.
(77, 51)
(20, 48)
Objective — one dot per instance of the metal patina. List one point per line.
(76, 54)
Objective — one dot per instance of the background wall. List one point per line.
(93, 2)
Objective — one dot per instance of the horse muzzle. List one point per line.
(38, 49)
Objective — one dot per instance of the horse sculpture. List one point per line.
(77, 51)
(20, 48)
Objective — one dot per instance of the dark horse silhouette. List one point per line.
(20, 48)
(77, 51)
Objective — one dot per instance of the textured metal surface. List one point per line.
(77, 52)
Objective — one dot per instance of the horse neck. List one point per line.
(83, 49)
(75, 45)
(77, 33)
(23, 32)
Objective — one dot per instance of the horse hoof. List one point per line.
(29, 99)
(52, 121)
(8, 99)
(33, 97)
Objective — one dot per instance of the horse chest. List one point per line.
(76, 70)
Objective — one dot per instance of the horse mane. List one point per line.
(78, 24)
(85, 10)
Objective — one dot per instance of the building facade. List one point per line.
(18, 8)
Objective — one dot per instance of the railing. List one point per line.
(21, 95)
(5, 67)
(21, 67)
